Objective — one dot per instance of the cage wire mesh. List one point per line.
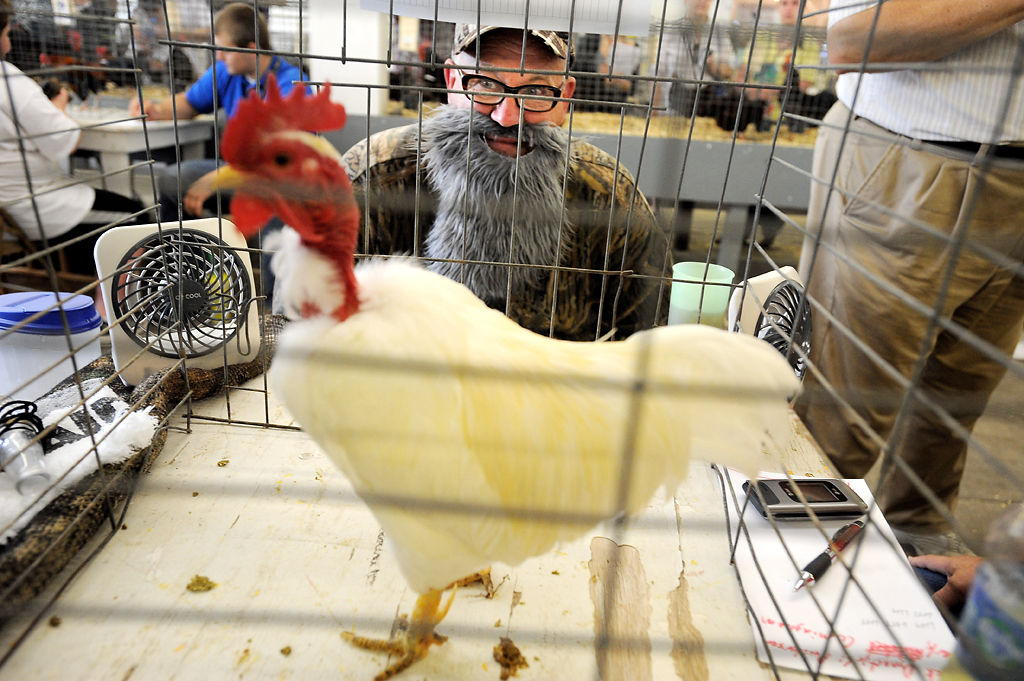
(715, 109)
(77, 165)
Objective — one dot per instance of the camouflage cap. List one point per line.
(466, 35)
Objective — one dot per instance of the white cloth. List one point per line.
(60, 209)
(959, 97)
(628, 56)
(684, 48)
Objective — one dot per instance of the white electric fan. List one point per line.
(175, 293)
(772, 312)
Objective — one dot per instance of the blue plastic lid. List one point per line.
(16, 307)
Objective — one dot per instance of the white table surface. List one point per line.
(107, 132)
(298, 559)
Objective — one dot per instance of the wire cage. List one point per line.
(718, 133)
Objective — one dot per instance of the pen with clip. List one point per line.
(817, 567)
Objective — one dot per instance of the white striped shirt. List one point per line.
(959, 97)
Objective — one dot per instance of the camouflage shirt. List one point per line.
(593, 284)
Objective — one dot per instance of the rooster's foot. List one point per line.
(415, 636)
(407, 650)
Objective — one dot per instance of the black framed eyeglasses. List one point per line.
(490, 92)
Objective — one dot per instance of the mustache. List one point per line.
(476, 216)
(456, 121)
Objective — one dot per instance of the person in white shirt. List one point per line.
(36, 136)
(916, 253)
(692, 51)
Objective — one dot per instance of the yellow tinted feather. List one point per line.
(474, 440)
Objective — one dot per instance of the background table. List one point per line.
(106, 132)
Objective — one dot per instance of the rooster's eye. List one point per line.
(282, 159)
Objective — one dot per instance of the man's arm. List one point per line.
(644, 299)
(916, 30)
(198, 193)
(383, 171)
(163, 110)
(630, 238)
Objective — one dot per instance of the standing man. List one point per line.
(223, 85)
(492, 192)
(925, 223)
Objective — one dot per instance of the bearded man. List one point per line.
(492, 192)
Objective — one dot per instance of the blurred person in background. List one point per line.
(603, 91)
(499, 181)
(938, 143)
(237, 73)
(698, 52)
(149, 29)
(773, 62)
(37, 138)
(227, 82)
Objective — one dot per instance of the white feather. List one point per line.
(474, 440)
(300, 275)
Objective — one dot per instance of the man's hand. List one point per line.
(198, 193)
(138, 108)
(163, 110)
(959, 571)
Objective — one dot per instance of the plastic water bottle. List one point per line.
(991, 643)
(21, 456)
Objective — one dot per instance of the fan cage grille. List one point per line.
(181, 293)
(784, 321)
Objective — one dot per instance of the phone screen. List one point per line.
(813, 491)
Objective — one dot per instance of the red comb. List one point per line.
(257, 116)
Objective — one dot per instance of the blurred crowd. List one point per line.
(89, 43)
(747, 68)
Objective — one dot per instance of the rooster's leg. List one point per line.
(483, 577)
(415, 642)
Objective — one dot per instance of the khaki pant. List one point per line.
(872, 244)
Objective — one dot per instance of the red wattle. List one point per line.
(249, 214)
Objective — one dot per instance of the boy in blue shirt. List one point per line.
(224, 84)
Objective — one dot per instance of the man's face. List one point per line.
(788, 11)
(506, 113)
(698, 11)
(238, 63)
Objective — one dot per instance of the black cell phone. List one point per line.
(792, 499)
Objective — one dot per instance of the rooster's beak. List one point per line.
(230, 178)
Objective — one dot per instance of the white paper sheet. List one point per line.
(917, 643)
(591, 16)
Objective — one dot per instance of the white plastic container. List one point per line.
(29, 350)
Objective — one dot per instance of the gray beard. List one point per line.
(477, 218)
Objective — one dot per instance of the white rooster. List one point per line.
(471, 439)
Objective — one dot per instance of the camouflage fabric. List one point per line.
(611, 274)
(466, 35)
